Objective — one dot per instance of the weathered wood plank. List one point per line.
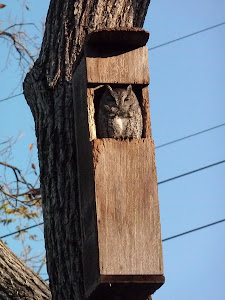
(86, 180)
(147, 129)
(127, 68)
(127, 207)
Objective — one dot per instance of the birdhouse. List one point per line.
(118, 195)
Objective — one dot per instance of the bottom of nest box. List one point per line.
(124, 287)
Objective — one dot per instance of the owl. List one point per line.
(119, 115)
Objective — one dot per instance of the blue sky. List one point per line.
(187, 95)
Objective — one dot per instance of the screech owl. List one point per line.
(119, 114)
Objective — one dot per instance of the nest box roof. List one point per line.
(128, 37)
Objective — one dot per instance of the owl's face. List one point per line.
(120, 98)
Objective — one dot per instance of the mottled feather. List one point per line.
(119, 114)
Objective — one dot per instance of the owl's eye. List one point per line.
(126, 99)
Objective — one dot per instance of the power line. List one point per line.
(158, 46)
(161, 182)
(191, 172)
(162, 145)
(192, 230)
(188, 136)
(186, 36)
(11, 97)
(21, 230)
(186, 232)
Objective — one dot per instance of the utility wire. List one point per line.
(186, 36)
(21, 230)
(11, 97)
(186, 232)
(192, 230)
(191, 172)
(161, 182)
(188, 136)
(158, 46)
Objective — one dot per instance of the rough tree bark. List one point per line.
(17, 281)
(48, 91)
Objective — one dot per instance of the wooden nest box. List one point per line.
(119, 207)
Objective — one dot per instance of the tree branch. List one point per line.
(17, 43)
(17, 280)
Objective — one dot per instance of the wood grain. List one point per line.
(91, 114)
(127, 68)
(127, 206)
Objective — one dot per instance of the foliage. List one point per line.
(20, 196)
(22, 38)
(20, 203)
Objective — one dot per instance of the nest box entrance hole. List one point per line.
(94, 97)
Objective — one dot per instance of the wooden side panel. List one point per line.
(86, 181)
(129, 67)
(127, 206)
(91, 114)
(147, 129)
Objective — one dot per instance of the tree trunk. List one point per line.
(17, 281)
(48, 91)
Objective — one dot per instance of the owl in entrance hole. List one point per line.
(119, 114)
